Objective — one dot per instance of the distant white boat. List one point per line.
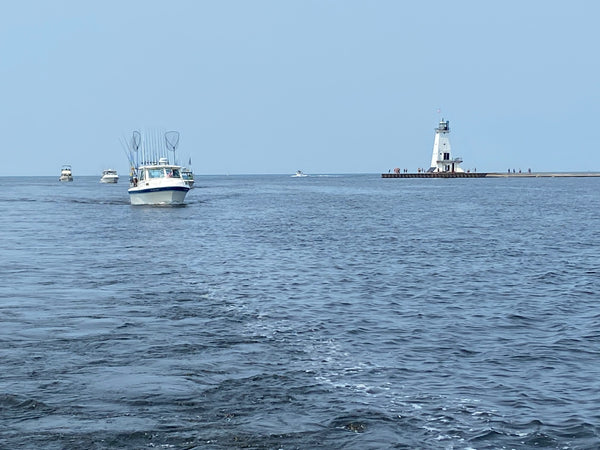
(65, 173)
(109, 176)
(158, 184)
(188, 176)
(299, 173)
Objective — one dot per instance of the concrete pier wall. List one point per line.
(490, 175)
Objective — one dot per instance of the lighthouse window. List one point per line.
(446, 155)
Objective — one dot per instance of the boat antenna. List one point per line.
(171, 142)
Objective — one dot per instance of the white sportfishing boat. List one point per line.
(158, 184)
(65, 173)
(299, 173)
(155, 181)
(109, 176)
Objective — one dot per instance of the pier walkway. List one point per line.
(490, 175)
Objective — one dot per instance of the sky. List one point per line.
(324, 86)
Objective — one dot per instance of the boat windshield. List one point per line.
(161, 173)
(156, 173)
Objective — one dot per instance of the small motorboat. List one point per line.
(109, 176)
(299, 173)
(65, 173)
(158, 184)
(188, 176)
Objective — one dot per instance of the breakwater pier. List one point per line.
(490, 175)
(434, 175)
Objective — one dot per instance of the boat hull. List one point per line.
(65, 178)
(171, 195)
(109, 179)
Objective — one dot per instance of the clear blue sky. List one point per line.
(326, 86)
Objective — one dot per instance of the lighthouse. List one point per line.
(441, 160)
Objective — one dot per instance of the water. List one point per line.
(319, 312)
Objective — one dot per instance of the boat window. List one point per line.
(142, 174)
(155, 173)
(176, 174)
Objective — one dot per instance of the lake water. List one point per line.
(273, 312)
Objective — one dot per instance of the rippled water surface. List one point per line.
(319, 312)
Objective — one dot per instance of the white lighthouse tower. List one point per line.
(441, 160)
